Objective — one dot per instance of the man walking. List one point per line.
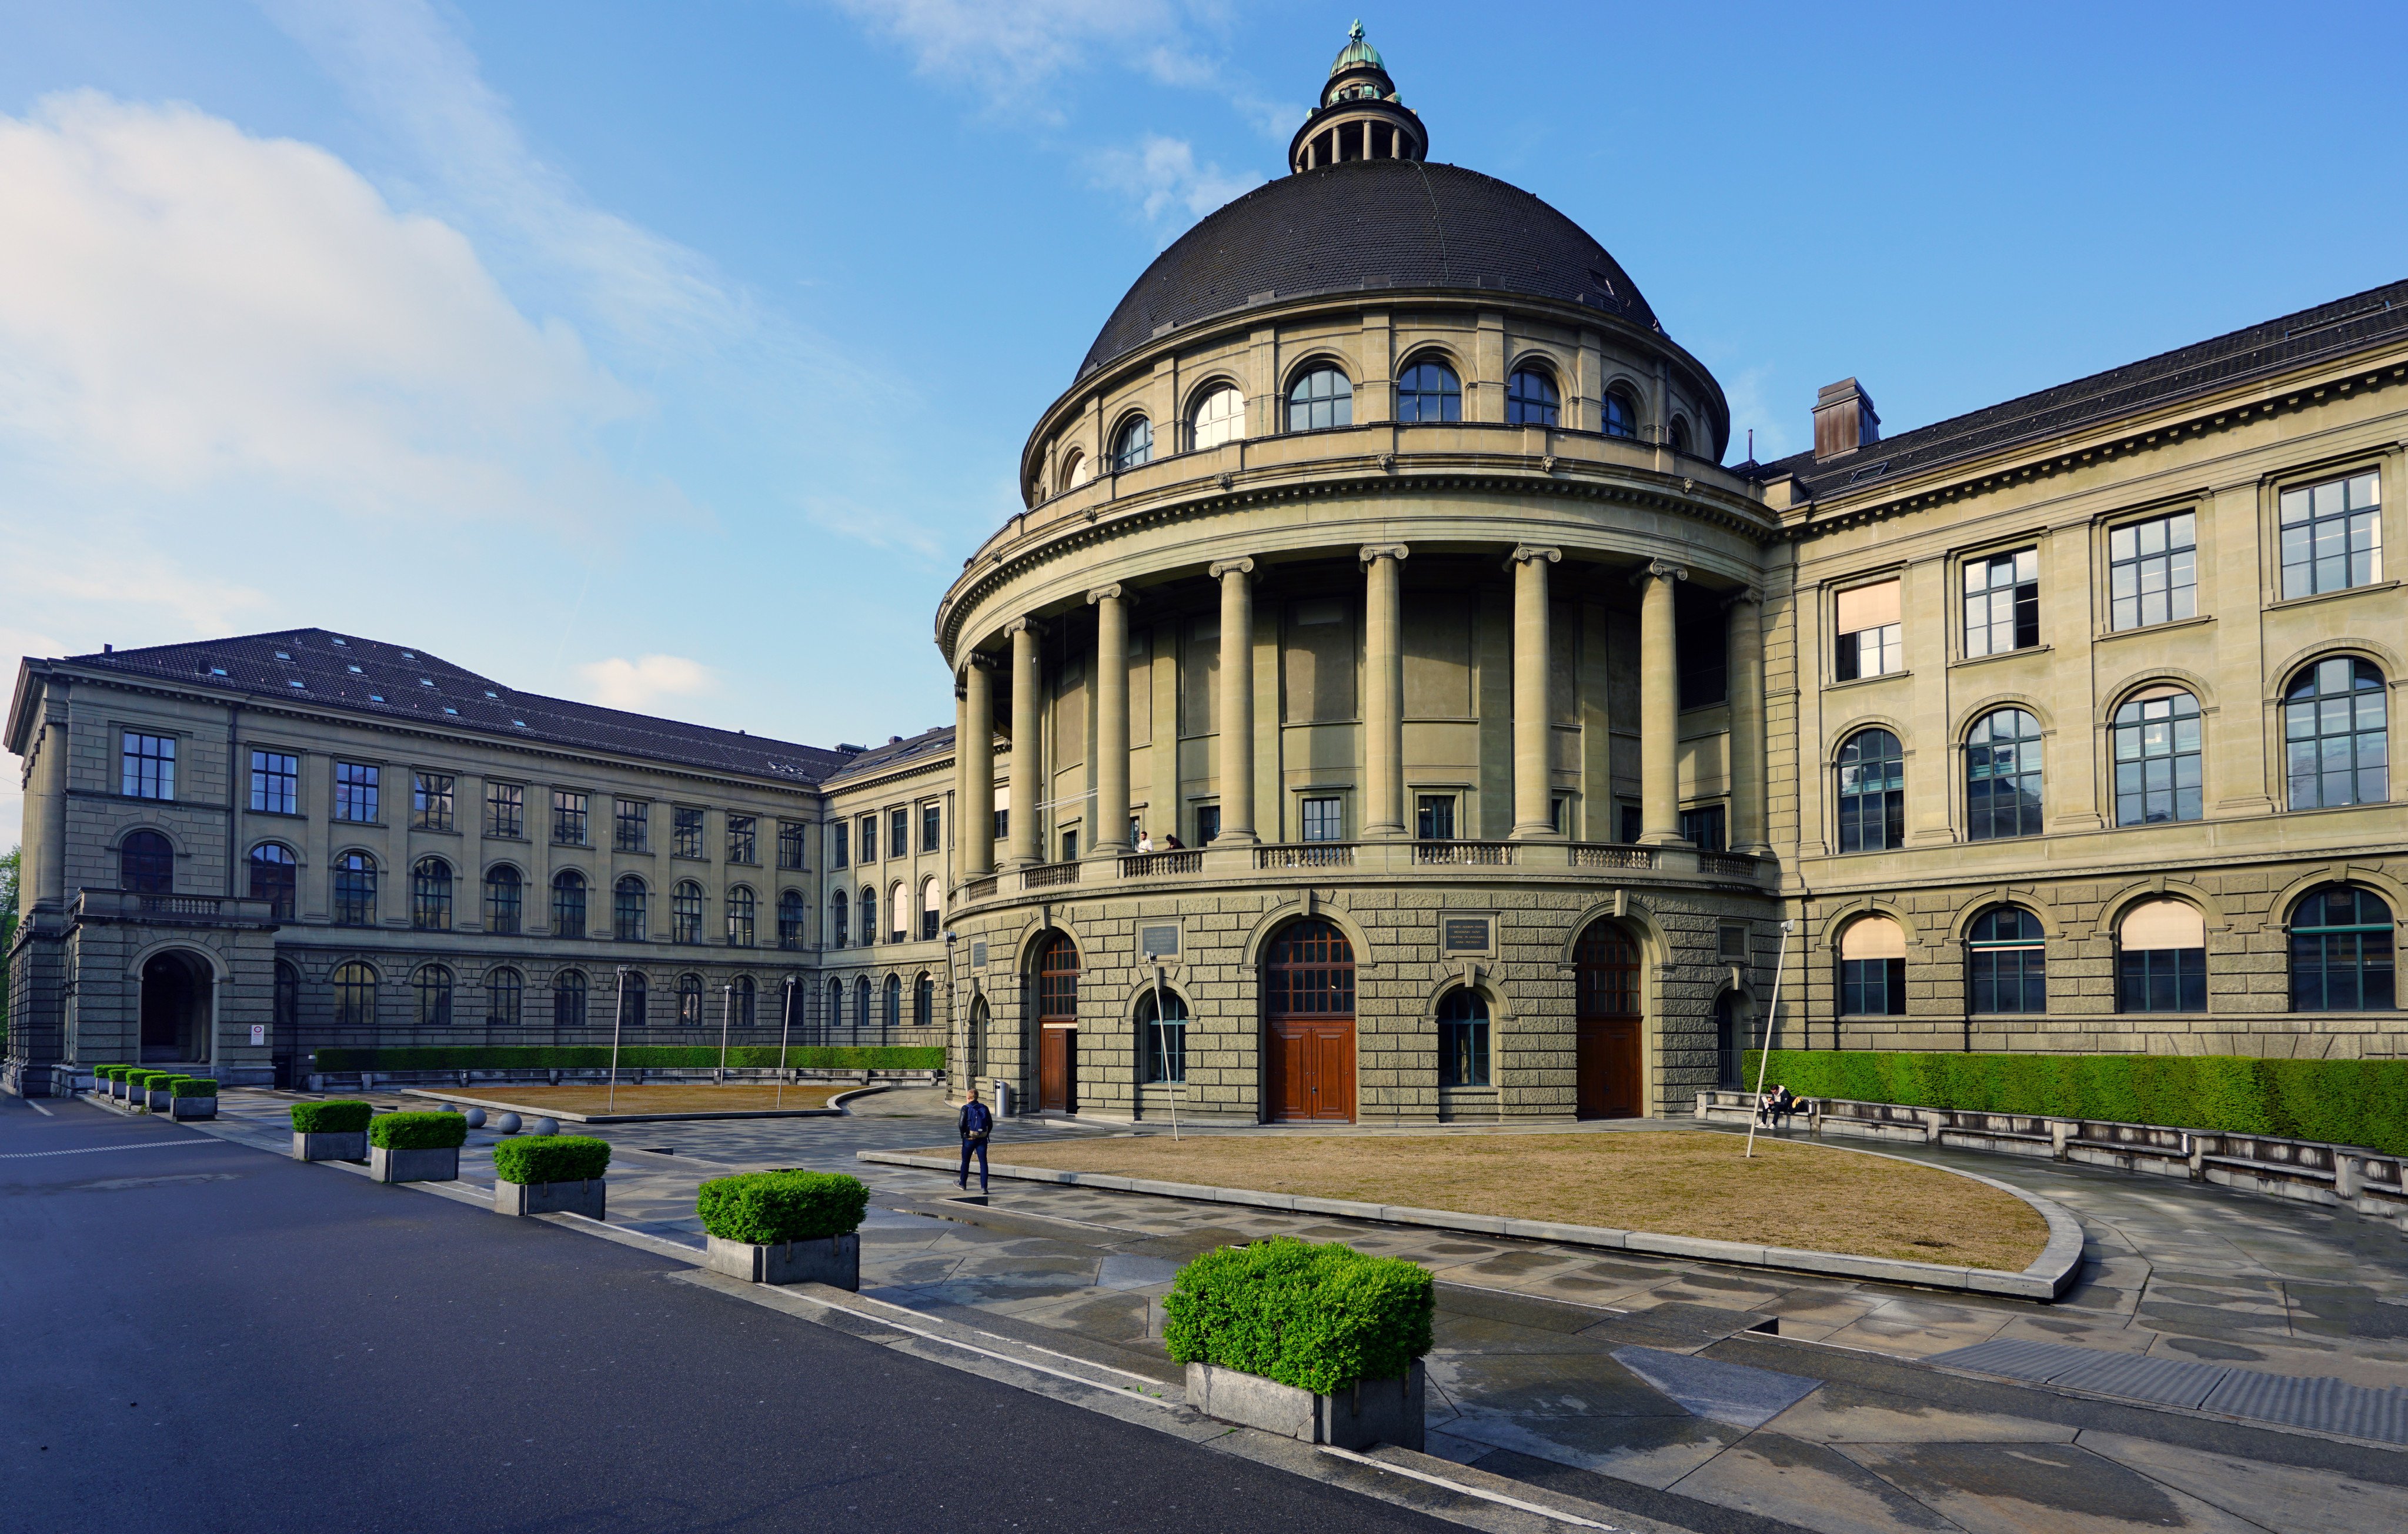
(978, 1122)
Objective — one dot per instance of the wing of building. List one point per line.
(1387, 706)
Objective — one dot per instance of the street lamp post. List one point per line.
(786, 1030)
(618, 1016)
(726, 1005)
(1771, 1018)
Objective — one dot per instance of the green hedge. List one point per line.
(142, 1081)
(110, 1073)
(2346, 1102)
(634, 1057)
(1318, 1318)
(194, 1087)
(339, 1116)
(767, 1207)
(419, 1131)
(550, 1158)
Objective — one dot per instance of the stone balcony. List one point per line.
(93, 905)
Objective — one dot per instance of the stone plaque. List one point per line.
(1158, 942)
(1464, 935)
(978, 953)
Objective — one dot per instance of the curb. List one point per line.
(830, 1111)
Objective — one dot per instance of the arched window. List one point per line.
(1530, 399)
(924, 1002)
(146, 864)
(2006, 962)
(685, 913)
(1076, 470)
(274, 875)
(355, 890)
(932, 909)
(628, 908)
(868, 916)
(568, 903)
(504, 889)
(1620, 412)
(1162, 1037)
(434, 986)
(430, 895)
(1463, 1038)
(1057, 978)
(286, 1014)
(635, 997)
(2340, 951)
(568, 999)
(1730, 1040)
(1872, 793)
(742, 997)
(503, 988)
(893, 1011)
(2157, 758)
(835, 1003)
(1133, 444)
(861, 1004)
(1219, 416)
(689, 995)
(1872, 968)
(355, 996)
(839, 918)
(741, 922)
(791, 917)
(2161, 958)
(2002, 776)
(2333, 736)
(1320, 399)
(1430, 391)
(1680, 433)
(898, 902)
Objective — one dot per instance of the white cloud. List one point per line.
(639, 684)
(1749, 410)
(1162, 175)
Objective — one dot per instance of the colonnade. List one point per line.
(1383, 812)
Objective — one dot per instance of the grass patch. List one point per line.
(659, 1099)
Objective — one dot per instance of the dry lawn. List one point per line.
(1673, 1182)
(746, 1098)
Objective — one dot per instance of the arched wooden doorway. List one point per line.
(175, 1007)
(1308, 1023)
(1058, 1025)
(1607, 1041)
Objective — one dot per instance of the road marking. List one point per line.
(1485, 1494)
(87, 1150)
(39, 1108)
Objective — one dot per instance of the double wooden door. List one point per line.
(1608, 1038)
(1058, 1026)
(1309, 1025)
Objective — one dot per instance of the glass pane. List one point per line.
(2295, 505)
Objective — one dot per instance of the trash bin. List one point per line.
(1002, 1096)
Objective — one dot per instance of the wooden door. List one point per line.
(1606, 1029)
(1057, 1070)
(1058, 1026)
(1309, 1025)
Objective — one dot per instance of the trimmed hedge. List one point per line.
(419, 1131)
(193, 1086)
(768, 1208)
(632, 1057)
(1318, 1318)
(2342, 1102)
(338, 1117)
(142, 1081)
(550, 1158)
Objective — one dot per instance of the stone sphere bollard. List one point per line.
(547, 1126)
(508, 1124)
(476, 1118)
(446, 1108)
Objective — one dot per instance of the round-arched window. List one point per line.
(741, 917)
(2002, 776)
(1430, 391)
(503, 988)
(861, 1004)
(839, 913)
(1162, 1034)
(503, 893)
(685, 913)
(274, 873)
(932, 908)
(629, 904)
(924, 1001)
(1463, 1038)
(1872, 967)
(355, 996)
(2157, 758)
(1219, 416)
(1530, 399)
(430, 895)
(568, 903)
(2341, 952)
(1133, 444)
(434, 986)
(2161, 958)
(1680, 433)
(2007, 962)
(1078, 471)
(1621, 413)
(894, 1018)
(1872, 793)
(635, 994)
(568, 999)
(791, 919)
(1320, 399)
(146, 864)
(2334, 738)
(689, 1004)
(355, 890)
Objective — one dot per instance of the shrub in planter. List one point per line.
(551, 1174)
(785, 1226)
(192, 1097)
(337, 1130)
(416, 1147)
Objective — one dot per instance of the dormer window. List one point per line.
(354, 670)
(284, 654)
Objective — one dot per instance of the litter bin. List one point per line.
(1002, 1096)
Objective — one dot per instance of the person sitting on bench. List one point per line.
(1778, 1105)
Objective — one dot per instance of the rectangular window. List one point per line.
(839, 837)
(1872, 987)
(149, 767)
(1631, 823)
(355, 791)
(2009, 980)
(2332, 535)
(1869, 632)
(1325, 820)
(898, 831)
(739, 839)
(1071, 846)
(1434, 817)
(2153, 572)
(567, 817)
(790, 844)
(275, 782)
(2161, 980)
(932, 824)
(1702, 827)
(1003, 824)
(1700, 647)
(1559, 812)
(631, 825)
(1208, 824)
(430, 801)
(2002, 603)
(505, 809)
(685, 832)
(869, 839)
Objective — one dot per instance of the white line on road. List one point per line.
(39, 1108)
(1482, 1494)
(87, 1150)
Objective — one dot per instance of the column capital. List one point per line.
(1113, 591)
(1745, 593)
(1525, 553)
(1658, 569)
(980, 660)
(1371, 551)
(1220, 567)
(1024, 625)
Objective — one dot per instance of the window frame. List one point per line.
(430, 895)
(688, 824)
(1891, 792)
(899, 830)
(275, 790)
(430, 800)
(504, 981)
(1434, 813)
(1522, 409)
(2029, 972)
(1132, 442)
(790, 846)
(505, 811)
(630, 910)
(687, 907)
(571, 888)
(1466, 1044)
(144, 871)
(743, 838)
(1712, 818)
(1162, 1042)
(1434, 388)
(793, 919)
(2347, 515)
(1338, 406)
(1321, 817)
(280, 906)
(145, 765)
(505, 916)
(2019, 590)
(353, 883)
(631, 825)
(2166, 561)
(2136, 731)
(572, 817)
(2311, 676)
(1235, 420)
(742, 909)
(358, 785)
(932, 827)
(2027, 791)
(2364, 960)
(1618, 400)
(432, 988)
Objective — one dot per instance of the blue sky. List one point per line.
(674, 356)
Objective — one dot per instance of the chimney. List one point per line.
(1844, 419)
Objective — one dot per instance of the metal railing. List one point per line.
(1155, 864)
(1481, 853)
(1306, 854)
(1049, 876)
(1598, 854)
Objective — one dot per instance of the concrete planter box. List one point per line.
(117, 1090)
(388, 1166)
(156, 1100)
(579, 1197)
(833, 1260)
(193, 1107)
(325, 1147)
(1367, 1412)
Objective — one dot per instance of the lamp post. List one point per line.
(618, 1015)
(1161, 1035)
(786, 1030)
(1764, 1061)
(726, 1005)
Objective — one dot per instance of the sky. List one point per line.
(674, 357)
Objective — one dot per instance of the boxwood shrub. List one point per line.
(337, 1117)
(194, 1087)
(550, 1158)
(767, 1208)
(2344, 1102)
(419, 1131)
(142, 1081)
(1318, 1318)
(634, 1057)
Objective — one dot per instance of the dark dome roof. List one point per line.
(1369, 223)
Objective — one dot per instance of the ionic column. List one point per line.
(1384, 693)
(974, 770)
(1027, 710)
(1109, 837)
(1745, 644)
(1236, 701)
(1531, 713)
(1659, 706)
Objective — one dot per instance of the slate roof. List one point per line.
(2329, 330)
(1369, 223)
(901, 750)
(399, 684)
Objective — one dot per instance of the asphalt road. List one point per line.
(195, 1335)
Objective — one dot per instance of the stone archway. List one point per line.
(178, 1001)
(1308, 1023)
